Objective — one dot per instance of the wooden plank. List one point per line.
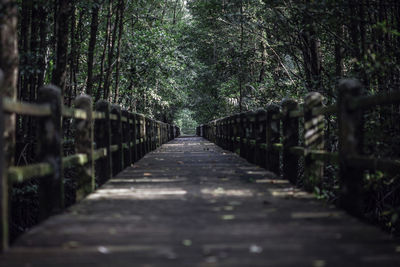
(99, 153)
(22, 174)
(74, 113)
(24, 108)
(368, 102)
(325, 110)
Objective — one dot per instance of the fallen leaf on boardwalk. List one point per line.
(103, 250)
(180, 162)
(187, 242)
(228, 217)
(228, 208)
(319, 263)
(255, 249)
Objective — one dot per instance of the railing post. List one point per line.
(313, 140)
(151, 134)
(134, 137)
(142, 135)
(236, 133)
(242, 132)
(51, 189)
(260, 128)
(350, 144)
(3, 182)
(251, 136)
(146, 135)
(126, 133)
(272, 136)
(84, 144)
(103, 140)
(290, 138)
(116, 137)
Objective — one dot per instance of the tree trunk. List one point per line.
(103, 55)
(92, 46)
(120, 32)
(60, 71)
(43, 45)
(9, 68)
(110, 56)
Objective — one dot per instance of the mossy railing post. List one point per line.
(126, 132)
(153, 136)
(103, 139)
(84, 138)
(146, 135)
(313, 140)
(142, 136)
(226, 133)
(242, 133)
(3, 183)
(290, 131)
(51, 188)
(231, 143)
(251, 148)
(260, 137)
(159, 134)
(350, 144)
(116, 137)
(138, 137)
(134, 137)
(272, 136)
(236, 133)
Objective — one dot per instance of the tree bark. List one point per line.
(92, 46)
(120, 32)
(8, 87)
(103, 55)
(60, 71)
(110, 56)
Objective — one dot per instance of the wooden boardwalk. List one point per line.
(190, 203)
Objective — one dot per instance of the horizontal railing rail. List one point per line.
(270, 137)
(106, 138)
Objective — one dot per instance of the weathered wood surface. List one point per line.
(190, 203)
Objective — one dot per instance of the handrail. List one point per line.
(270, 138)
(24, 108)
(121, 138)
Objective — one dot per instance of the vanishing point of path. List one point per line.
(190, 203)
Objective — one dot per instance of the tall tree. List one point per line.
(9, 70)
(59, 76)
(92, 45)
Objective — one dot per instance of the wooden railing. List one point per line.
(270, 138)
(107, 138)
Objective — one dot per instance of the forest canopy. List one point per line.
(209, 57)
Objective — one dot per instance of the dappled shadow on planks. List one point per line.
(190, 203)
